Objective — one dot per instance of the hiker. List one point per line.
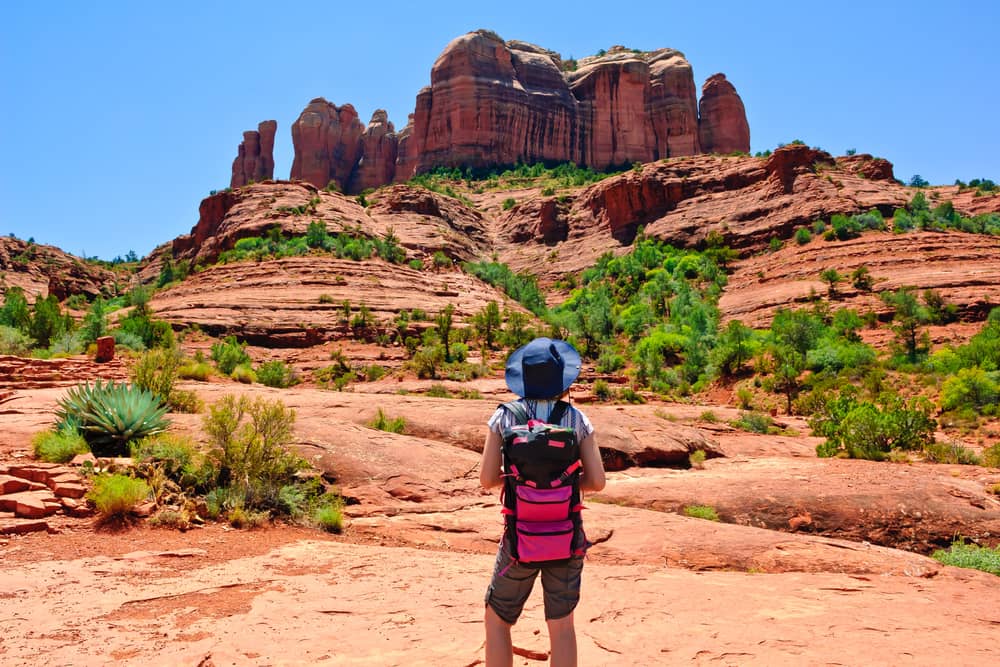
(540, 373)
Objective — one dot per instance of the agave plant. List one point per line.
(111, 415)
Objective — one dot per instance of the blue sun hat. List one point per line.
(544, 368)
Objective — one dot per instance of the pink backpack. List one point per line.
(541, 493)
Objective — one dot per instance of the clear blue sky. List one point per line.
(117, 118)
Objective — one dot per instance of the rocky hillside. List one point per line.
(496, 103)
(41, 270)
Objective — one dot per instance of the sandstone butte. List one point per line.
(494, 103)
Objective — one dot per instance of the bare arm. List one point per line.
(489, 467)
(592, 478)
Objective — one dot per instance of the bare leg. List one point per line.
(499, 649)
(562, 637)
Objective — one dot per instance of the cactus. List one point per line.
(111, 415)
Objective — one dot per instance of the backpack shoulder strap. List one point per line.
(558, 412)
(517, 409)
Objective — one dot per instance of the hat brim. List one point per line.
(514, 376)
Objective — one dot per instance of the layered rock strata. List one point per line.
(255, 157)
(493, 103)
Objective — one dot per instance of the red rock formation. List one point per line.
(327, 141)
(255, 158)
(723, 124)
(494, 103)
(490, 103)
(672, 104)
(614, 126)
(379, 146)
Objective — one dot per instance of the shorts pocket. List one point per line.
(544, 505)
(539, 541)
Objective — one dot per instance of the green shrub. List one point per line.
(58, 446)
(508, 203)
(950, 452)
(194, 370)
(991, 456)
(802, 236)
(329, 517)
(709, 417)
(701, 512)
(115, 496)
(629, 395)
(128, 340)
(244, 374)
(970, 556)
(111, 415)
(14, 342)
(155, 371)
(325, 298)
(602, 391)
(176, 458)
(863, 430)
(970, 388)
(182, 400)
(68, 344)
(437, 390)
(696, 459)
(754, 422)
(248, 440)
(469, 394)
(228, 354)
(276, 374)
(385, 423)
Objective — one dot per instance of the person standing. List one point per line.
(540, 373)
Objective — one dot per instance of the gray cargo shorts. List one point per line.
(512, 583)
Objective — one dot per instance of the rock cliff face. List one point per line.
(379, 147)
(723, 124)
(255, 156)
(327, 141)
(493, 103)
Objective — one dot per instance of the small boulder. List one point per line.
(22, 526)
(10, 484)
(105, 349)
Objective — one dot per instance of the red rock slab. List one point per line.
(10, 484)
(64, 478)
(69, 490)
(21, 526)
(404, 606)
(38, 472)
(918, 507)
(9, 502)
(34, 507)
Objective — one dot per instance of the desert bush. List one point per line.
(248, 440)
(970, 556)
(602, 391)
(194, 370)
(384, 423)
(330, 516)
(14, 341)
(701, 512)
(508, 203)
(128, 340)
(68, 343)
(228, 354)
(864, 430)
(803, 236)
(754, 422)
(437, 390)
(111, 415)
(244, 374)
(991, 456)
(177, 457)
(185, 401)
(276, 374)
(950, 452)
(696, 459)
(468, 394)
(709, 417)
(629, 395)
(58, 446)
(155, 371)
(970, 388)
(115, 496)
